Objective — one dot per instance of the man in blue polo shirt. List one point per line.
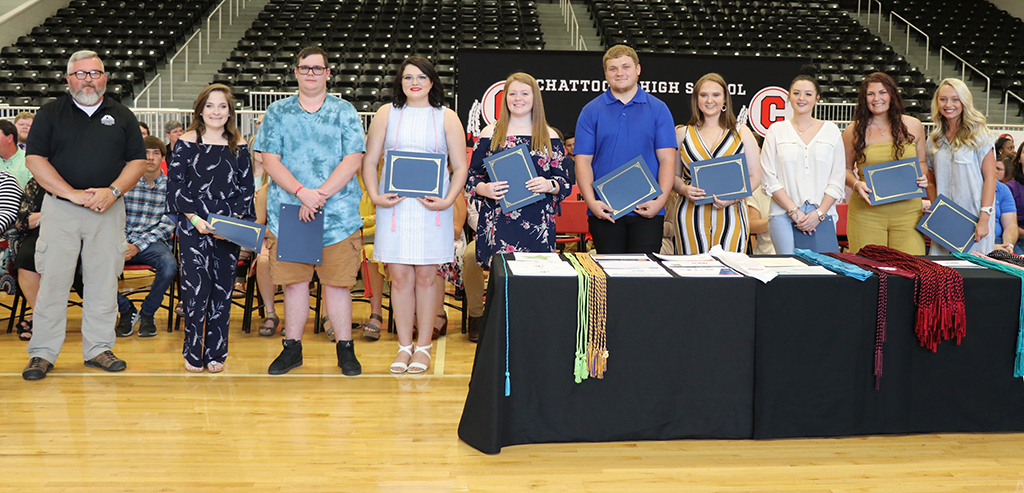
(620, 124)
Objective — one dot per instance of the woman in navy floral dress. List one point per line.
(530, 228)
(210, 172)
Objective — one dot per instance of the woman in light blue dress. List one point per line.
(414, 236)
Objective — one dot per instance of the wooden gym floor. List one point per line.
(156, 428)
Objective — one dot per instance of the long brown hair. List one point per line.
(231, 132)
(728, 118)
(540, 140)
(862, 115)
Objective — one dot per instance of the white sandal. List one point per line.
(415, 368)
(398, 366)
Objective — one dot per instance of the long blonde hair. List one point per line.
(540, 138)
(972, 131)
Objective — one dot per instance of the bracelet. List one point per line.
(193, 219)
(297, 190)
(790, 213)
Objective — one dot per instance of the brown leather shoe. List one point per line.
(107, 361)
(36, 369)
(474, 328)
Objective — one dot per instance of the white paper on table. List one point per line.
(538, 256)
(743, 263)
(541, 268)
(959, 264)
(601, 258)
(781, 262)
(705, 272)
(636, 272)
(803, 270)
(699, 260)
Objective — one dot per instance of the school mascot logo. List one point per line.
(768, 106)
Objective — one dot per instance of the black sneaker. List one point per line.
(36, 369)
(347, 359)
(126, 324)
(107, 361)
(290, 358)
(147, 327)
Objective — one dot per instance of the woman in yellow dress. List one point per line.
(880, 133)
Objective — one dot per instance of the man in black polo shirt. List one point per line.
(85, 150)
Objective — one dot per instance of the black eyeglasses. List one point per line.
(318, 70)
(93, 74)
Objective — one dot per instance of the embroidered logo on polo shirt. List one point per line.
(107, 120)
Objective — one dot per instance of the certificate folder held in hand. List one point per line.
(516, 167)
(822, 240)
(627, 187)
(724, 177)
(949, 224)
(414, 174)
(245, 234)
(297, 240)
(893, 181)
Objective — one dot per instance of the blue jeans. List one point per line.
(781, 229)
(158, 256)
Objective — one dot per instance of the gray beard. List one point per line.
(86, 99)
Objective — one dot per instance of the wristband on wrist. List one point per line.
(297, 190)
(193, 220)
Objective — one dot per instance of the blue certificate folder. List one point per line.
(725, 177)
(516, 167)
(627, 187)
(245, 234)
(822, 240)
(414, 174)
(299, 241)
(949, 224)
(893, 181)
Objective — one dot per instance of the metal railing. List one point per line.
(1006, 103)
(148, 91)
(834, 112)
(963, 75)
(879, 15)
(184, 49)
(572, 25)
(219, 10)
(259, 101)
(927, 39)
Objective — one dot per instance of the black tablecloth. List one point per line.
(735, 358)
(815, 361)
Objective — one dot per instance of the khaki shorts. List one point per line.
(339, 266)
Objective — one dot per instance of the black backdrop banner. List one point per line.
(570, 79)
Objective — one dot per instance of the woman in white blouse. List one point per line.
(804, 166)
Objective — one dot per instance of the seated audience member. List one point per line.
(473, 276)
(144, 128)
(172, 130)
(12, 157)
(757, 210)
(27, 224)
(147, 231)
(1006, 210)
(10, 200)
(23, 121)
(1015, 172)
(1004, 145)
(266, 286)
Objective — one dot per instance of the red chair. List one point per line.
(572, 221)
(844, 242)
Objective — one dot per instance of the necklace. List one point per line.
(880, 129)
(801, 132)
(718, 135)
